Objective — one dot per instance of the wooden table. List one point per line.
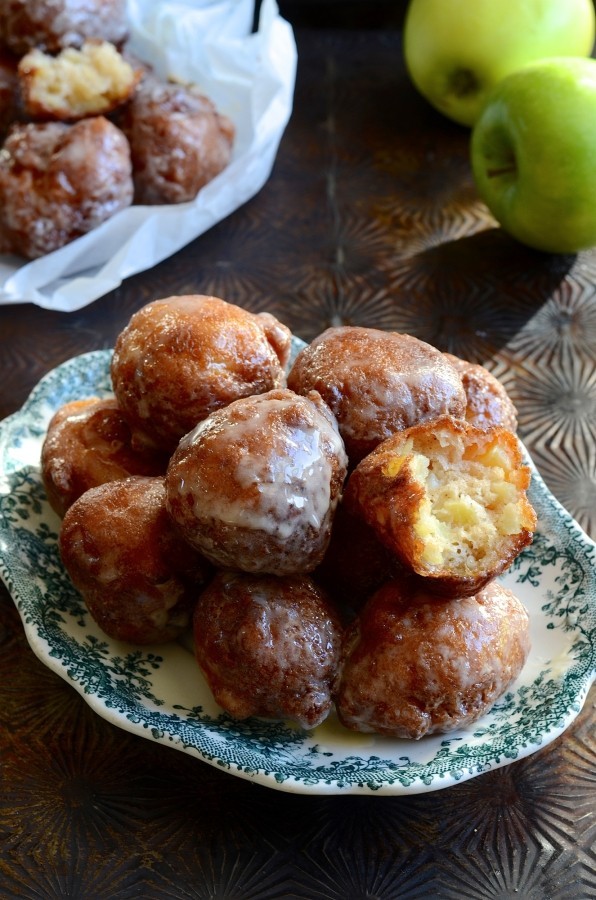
(370, 217)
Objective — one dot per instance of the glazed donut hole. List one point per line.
(59, 181)
(412, 665)
(52, 25)
(487, 402)
(88, 442)
(77, 83)
(449, 499)
(178, 139)
(377, 383)
(123, 554)
(284, 465)
(181, 358)
(268, 646)
(355, 563)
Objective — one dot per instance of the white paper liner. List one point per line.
(249, 77)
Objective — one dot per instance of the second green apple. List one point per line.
(533, 153)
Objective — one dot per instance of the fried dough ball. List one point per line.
(179, 142)
(88, 442)
(355, 564)
(139, 580)
(413, 664)
(255, 485)
(377, 383)
(52, 25)
(60, 181)
(181, 358)
(75, 84)
(268, 646)
(488, 403)
(449, 500)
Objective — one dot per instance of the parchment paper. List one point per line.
(250, 77)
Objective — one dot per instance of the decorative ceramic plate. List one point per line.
(159, 693)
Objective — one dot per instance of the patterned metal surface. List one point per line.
(370, 217)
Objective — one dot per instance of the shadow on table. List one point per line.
(475, 293)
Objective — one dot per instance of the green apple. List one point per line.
(533, 154)
(457, 50)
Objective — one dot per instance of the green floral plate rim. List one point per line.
(159, 693)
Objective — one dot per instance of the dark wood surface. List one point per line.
(370, 217)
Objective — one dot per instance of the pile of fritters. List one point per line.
(333, 528)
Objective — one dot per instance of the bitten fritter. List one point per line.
(449, 500)
(181, 358)
(255, 485)
(139, 580)
(88, 443)
(52, 25)
(488, 403)
(414, 664)
(92, 81)
(377, 383)
(268, 646)
(58, 181)
(179, 141)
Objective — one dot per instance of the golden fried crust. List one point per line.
(449, 500)
(181, 358)
(179, 141)
(60, 181)
(488, 403)
(268, 646)
(92, 81)
(355, 564)
(255, 485)
(414, 664)
(377, 383)
(52, 25)
(139, 580)
(88, 442)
